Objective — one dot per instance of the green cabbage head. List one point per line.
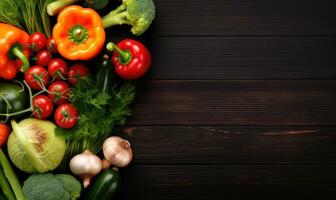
(33, 146)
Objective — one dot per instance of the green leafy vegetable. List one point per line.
(52, 187)
(137, 13)
(30, 15)
(99, 112)
(33, 147)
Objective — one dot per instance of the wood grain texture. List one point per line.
(231, 145)
(244, 17)
(242, 57)
(191, 182)
(235, 103)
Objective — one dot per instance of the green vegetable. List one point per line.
(33, 146)
(71, 185)
(26, 14)
(2, 197)
(11, 176)
(52, 187)
(56, 6)
(105, 186)
(105, 75)
(137, 13)
(5, 187)
(96, 4)
(13, 98)
(99, 112)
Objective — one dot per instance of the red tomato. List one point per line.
(66, 116)
(57, 68)
(36, 76)
(4, 133)
(59, 92)
(43, 57)
(38, 40)
(9, 72)
(42, 106)
(51, 45)
(76, 71)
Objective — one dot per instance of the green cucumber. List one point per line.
(96, 4)
(105, 77)
(105, 186)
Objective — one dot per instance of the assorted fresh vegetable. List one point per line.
(62, 95)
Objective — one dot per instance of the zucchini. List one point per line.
(96, 4)
(105, 75)
(105, 186)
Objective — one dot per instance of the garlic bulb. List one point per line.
(117, 151)
(86, 165)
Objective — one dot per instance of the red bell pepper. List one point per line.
(131, 59)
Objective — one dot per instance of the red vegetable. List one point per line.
(43, 57)
(76, 72)
(51, 45)
(36, 76)
(130, 58)
(66, 116)
(59, 92)
(4, 133)
(57, 68)
(42, 106)
(38, 40)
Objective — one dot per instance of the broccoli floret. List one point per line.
(71, 185)
(137, 13)
(42, 187)
(51, 187)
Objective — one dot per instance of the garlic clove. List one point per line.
(117, 151)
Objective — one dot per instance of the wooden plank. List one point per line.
(242, 57)
(228, 182)
(231, 145)
(271, 102)
(241, 17)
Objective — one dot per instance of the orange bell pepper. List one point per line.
(79, 33)
(14, 51)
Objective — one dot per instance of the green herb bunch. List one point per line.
(30, 15)
(99, 113)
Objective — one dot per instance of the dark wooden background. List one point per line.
(240, 102)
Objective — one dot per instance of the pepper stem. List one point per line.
(124, 55)
(18, 53)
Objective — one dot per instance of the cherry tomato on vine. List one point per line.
(59, 92)
(51, 45)
(43, 58)
(38, 40)
(36, 76)
(9, 72)
(76, 72)
(66, 116)
(57, 68)
(4, 133)
(42, 107)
